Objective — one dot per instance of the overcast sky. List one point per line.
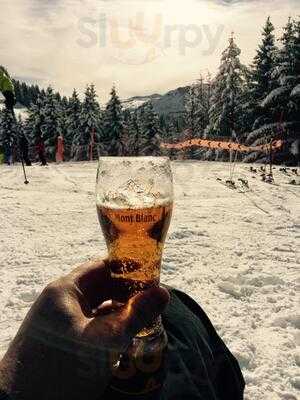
(142, 46)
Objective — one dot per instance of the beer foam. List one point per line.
(134, 182)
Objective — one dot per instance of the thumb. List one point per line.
(142, 309)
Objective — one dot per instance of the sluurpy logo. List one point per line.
(141, 38)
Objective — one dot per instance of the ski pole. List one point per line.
(24, 172)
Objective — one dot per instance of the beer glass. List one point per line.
(134, 197)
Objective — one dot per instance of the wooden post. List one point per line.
(271, 161)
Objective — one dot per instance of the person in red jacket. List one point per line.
(60, 149)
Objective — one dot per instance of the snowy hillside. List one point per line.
(138, 101)
(235, 253)
(171, 102)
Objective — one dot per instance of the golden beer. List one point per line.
(135, 240)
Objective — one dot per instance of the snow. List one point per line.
(132, 104)
(275, 96)
(235, 253)
(296, 91)
(21, 112)
(137, 101)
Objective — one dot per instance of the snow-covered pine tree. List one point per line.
(172, 136)
(260, 79)
(169, 127)
(113, 125)
(227, 92)
(62, 105)
(8, 133)
(193, 110)
(72, 115)
(163, 126)
(50, 126)
(206, 94)
(197, 105)
(134, 135)
(281, 104)
(33, 123)
(20, 127)
(295, 96)
(150, 131)
(296, 90)
(89, 131)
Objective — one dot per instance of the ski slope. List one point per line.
(234, 252)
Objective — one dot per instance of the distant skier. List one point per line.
(7, 89)
(40, 149)
(24, 148)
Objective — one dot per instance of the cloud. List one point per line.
(143, 46)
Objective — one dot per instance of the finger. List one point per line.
(116, 329)
(93, 280)
(107, 308)
(143, 309)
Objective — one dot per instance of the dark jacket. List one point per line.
(198, 366)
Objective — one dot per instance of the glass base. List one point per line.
(141, 370)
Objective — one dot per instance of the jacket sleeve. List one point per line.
(6, 84)
(226, 374)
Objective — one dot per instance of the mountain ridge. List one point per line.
(171, 102)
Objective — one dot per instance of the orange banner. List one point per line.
(212, 144)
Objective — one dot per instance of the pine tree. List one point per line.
(135, 136)
(50, 125)
(282, 104)
(163, 125)
(35, 120)
(150, 131)
(264, 63)
(62, 107)
(8, 133)
(25, 94)
(193, 110)
(113, 125)
(170, 134)
(295, 94)
(89, 131)
(260, 80)
(197, 105)
(227, 91)
(72, 115)
(286, 75)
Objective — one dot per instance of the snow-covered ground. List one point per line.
(235, 253)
